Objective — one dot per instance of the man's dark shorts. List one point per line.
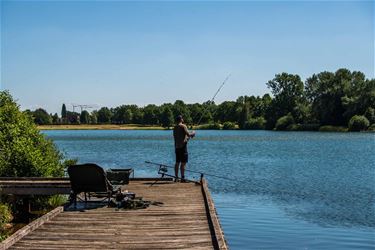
(182, 154)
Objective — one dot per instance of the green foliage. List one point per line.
(57, 200)
(244, 116)
(55, 119)
(24, 150)
(84, 117)
(371, 128)
(69, 162)
(370, 114)
(167, 118)
(255, 123)
(289, 97)
(211, 126)
(329, 128)
(284, 122)
(226, 111)
(151, 114)
(180, 108)
(326, 98)
(63, 111)
(41, 117)
(304, 127)
(336, 97)
(94, 117)
(5, 217)
(104, 115)
(5, 214)
(229, 126)
(358, 123)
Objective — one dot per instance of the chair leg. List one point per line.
(75, 200)
(109, 198)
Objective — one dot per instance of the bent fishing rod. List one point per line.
(187, 170)
(213, 98)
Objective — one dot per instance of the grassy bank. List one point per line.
(99, 127)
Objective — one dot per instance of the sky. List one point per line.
(109, 53)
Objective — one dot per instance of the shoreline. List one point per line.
(99, 127)
(151, 127)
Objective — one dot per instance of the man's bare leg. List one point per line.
(183, 164)
(176, 169)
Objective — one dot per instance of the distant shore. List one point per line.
(200, 127)
(99, 127)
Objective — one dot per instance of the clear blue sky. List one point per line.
(113, 53)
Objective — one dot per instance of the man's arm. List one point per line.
(190, 134)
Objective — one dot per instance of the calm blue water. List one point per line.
(293, 190)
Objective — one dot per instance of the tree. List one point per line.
(180, 108)
(284, 122)
(104, 115)
(358, 123)
(336, 97)
(41, 117)
(24, 150)
(63, 113)
(122, 114)
(84, 117)
(166, 117)
(226, 111)
(151, 114)
(288, 91)
(137, 114)
(55, 119)
(94, 117)
(244, 117)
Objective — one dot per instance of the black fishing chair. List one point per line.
(89, 178)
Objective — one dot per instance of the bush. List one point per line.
(370, 115)
(255, 123)
(57, 200)
(5, 217)
(329, 128)
(304, 127)
(284, 122)
(24, 150)
(358, 123)
(211, 126)
(371, 128)
(229, 125)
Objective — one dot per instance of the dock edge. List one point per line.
(8, 242)
(217, 234)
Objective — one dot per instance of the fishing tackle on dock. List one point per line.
(163, 169)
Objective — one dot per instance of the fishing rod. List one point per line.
(191, 171)
(213, 98)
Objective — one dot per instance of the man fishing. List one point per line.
(181, 137)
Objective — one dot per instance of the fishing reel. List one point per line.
(162, 170)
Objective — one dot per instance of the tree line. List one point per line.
(337, 99)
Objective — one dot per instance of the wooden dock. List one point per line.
(186, 219)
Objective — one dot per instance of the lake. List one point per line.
(291, 190)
